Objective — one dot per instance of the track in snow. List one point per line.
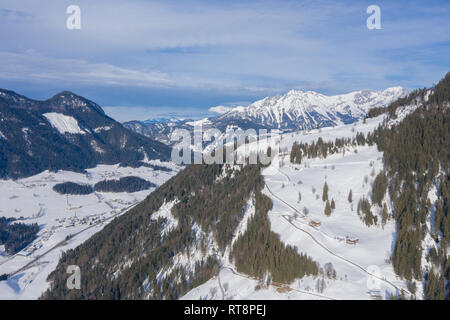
(354, 264)
(294, 289)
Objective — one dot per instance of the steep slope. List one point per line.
(416, 158)
(178, 222)
(65, 132)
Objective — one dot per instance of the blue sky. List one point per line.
(143, 59)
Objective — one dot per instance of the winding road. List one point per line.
(63, 242)
(354, 264)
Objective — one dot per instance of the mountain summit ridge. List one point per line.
(66, 131)
(310, 109)
(295, 110)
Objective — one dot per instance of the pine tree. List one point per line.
(350, 196)
(325, 192)
(384, 215)
(379, 188)
(333, 205)
(299, 197)
(327, 209)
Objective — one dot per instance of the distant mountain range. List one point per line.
(296, 110)
(65, 132)
(73, 133)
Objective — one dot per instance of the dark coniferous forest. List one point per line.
(16, 235)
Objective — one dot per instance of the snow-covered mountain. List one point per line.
(308, 110)
(66, 131)
(295, 110)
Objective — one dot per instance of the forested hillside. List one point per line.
(209, 197)
(416, 157)
(16, 235)
(216, 206)
(259, 250)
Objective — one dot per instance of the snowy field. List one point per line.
(32, 200)
(363, 270)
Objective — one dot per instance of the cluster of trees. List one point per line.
(379, 188)
(153, 166)
(259, 250)
(125, 184)
(322, 149)
(365, 213)
(329, 206)
(16, 236)
(73, 188)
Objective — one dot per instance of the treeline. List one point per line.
(416, 159)
(440, 97)
(416, 96)
(140, 163)
(441, 94)
(323, 149)
(125, 184)
(155, 167)
(259, 250)
(16, 236)
(73, 188)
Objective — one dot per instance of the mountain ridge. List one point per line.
(66, 131)
(295, 110)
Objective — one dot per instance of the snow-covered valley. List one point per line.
(65, 221)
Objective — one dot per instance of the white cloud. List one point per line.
(220, 109)
(260, 47)
(142, 113)
(37, 67)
